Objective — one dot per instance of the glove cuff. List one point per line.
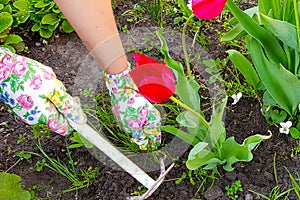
(116, 82)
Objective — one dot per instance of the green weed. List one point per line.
(233, 190)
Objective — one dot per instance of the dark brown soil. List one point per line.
(65, 53)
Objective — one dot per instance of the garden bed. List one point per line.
(65, 53)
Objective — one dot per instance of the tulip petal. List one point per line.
(141, 59)
(155, 81)
(207, 9)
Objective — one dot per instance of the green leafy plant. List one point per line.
(46, 18)
(11, 188)
(210, 145)
(274, 52)
(12, 15)
(233, 190)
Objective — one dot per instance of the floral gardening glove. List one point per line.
(136, 114)
(35, 95)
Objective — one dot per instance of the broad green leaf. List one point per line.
(4, 2)
(6, 21)
(1, 6)
(188, 138)
(66, 27)
(12, 49)
(53, 27)
(197, 149)
(203, 158)
(187, 119)
(45, 33)
(245, 67)
(294, 133)
(282, 85)
(266, 39)
(7, 8)
(35, 27)
(268, 99)
(277, 116)
(11, 189)
(232, 152)
(22, 5)
(50, 19)
(22, 16)
(13, 39)
(286, 32)
(41, 4)
(238, 31)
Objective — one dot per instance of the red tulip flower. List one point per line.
(155, 81)
(207, 9)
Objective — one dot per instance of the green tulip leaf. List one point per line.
(187, 119)
(245, 67)
(204, 158)
(284, 31)
(188, 138)
(264, 37)
(232, 152)
(197, 149)
(281, 84)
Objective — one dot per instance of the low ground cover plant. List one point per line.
(21, 16)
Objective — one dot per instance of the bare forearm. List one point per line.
(94, 22)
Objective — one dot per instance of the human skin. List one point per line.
(94, 23)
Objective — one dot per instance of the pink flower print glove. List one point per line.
(35, 95)
(136, 114)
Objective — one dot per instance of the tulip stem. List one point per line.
(191, 110)
(186, 55)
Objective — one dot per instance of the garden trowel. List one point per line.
(118, 157)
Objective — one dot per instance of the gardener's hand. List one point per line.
(35, 95)
(135, 113)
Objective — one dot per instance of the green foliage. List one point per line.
(79, 141)
(11, 188)
(272, 38)
(199, 176)
(211, 148)
(295, 131)
(12, 15)
(40, 130)
(233, 190)
(17, 16)
(46, 18)
(81, 179)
